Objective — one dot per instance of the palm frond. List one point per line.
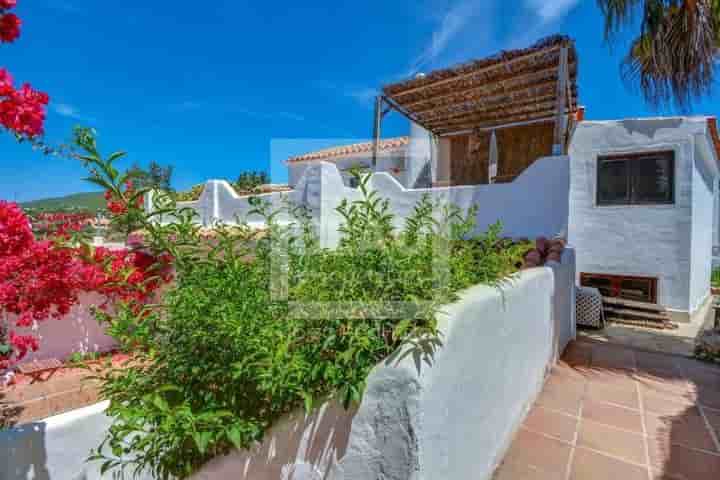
(618, 14)
(673, 59)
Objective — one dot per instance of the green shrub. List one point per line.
(715, 277)
(254, 328)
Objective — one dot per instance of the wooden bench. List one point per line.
(37, 368)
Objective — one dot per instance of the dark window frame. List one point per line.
(628, 158)
(586, 280)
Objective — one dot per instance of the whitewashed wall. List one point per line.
(535, 204)
(647, 240)
(452, 419)
(386, 162)
(77, 331)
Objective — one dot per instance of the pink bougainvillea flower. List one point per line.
(21, 111)
(7, 4)
(41, 279)
(9, 27)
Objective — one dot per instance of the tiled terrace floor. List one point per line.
(609, 412)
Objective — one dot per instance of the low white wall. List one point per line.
(56, 448)
(535, 204)
(78, 331)
(452, 418)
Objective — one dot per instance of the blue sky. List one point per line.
(207, 86)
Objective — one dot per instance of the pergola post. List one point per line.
(561, 102)
(376, 129)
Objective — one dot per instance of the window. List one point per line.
(636, 179)
(640, 289)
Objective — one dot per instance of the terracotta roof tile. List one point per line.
(334, 153)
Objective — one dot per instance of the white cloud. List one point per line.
(450, 25)
(69, 111)
(551, 10)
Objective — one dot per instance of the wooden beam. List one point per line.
(547, 104)
(498, 127)
(562, 101)
(537, 94)
(499, 121)
(501, 65)
(488, 87)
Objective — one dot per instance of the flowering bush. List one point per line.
(22, 110)
(59, 224)
(9, 27)
(42, 279)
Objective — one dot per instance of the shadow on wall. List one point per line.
(78, 331)
(299, 448)
(23, 453)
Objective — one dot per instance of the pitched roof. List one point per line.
(334, 153)
(511, 86)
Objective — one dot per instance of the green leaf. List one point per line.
(202, 440)
(160, 403)
(115, 156)
(235, 436)
(308, 400)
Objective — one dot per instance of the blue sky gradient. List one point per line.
(206, 87)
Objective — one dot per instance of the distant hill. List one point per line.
(92, 201)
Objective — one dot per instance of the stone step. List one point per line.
(667, 325)
(639, 314)
(624, 303)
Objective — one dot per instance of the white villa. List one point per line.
(637, 198)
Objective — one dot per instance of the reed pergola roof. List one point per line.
(513, 86)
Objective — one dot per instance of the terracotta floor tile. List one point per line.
(603, 393)
(620, 379)
(577, 354)
(556, 425)
(561, 396)
(612, 357)
(672, 392)
(567, 371)
(713, 417)
(511, 471)
(613, 416)
(653, 362)
(614, 442)
(688, 430)
(667, 405)
(708, 397)
(704, 377)
(687, 364)
(539, 452)
(589, 465)
(674, 461)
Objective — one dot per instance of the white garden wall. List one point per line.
(535, 204)
(78, 331)
(452, 418)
